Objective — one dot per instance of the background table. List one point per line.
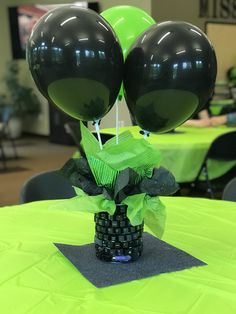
(36, 278)
(183, 152)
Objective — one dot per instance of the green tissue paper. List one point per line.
(129, 153)
(123, 173)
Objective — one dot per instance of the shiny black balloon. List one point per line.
(169, 74)
(76, 61)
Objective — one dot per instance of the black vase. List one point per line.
(116, 240)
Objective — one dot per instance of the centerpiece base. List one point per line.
(116, 240)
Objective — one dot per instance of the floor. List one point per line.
(35, 154)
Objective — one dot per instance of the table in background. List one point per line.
(222, 106)
(36, 278)
(183, 152)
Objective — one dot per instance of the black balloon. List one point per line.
(169, 74)
(76, 61)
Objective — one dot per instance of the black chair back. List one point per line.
(223, 147)
(229, 192)
(73, 128)
(5, 115)
(104, 136)
(47, 185)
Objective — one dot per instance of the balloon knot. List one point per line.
(145, 133)
(96, 122)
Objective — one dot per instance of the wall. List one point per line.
(5, 51)
(193, 11)
(199, 13)
(39, 125)
(223, 39)
(181, 10)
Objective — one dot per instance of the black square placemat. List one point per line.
(158, 257)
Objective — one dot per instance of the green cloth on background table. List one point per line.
(183, 153)
(36, 278)
(217, 105)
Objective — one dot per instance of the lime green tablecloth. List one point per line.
(217, 105)
(36, 278)
(183, 153)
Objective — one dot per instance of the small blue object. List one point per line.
(121, 258)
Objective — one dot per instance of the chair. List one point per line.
(229, 192)
(222, 148)
(46, 186)
(5, 114)
(73, 128)
(3, 157)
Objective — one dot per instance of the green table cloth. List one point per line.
(36, 278)
(216, 106)
(184, 152)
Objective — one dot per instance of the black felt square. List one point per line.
(158, 257)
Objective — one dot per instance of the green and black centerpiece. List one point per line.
(123, 200)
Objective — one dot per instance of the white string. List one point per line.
(96, 123)
(117, 120)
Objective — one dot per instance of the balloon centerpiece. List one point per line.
(76, 61)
